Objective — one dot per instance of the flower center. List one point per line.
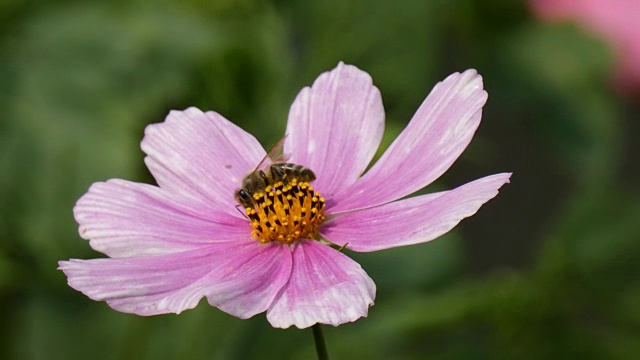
(286, 212)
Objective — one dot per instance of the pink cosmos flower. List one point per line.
(614, 20)
(173, 244)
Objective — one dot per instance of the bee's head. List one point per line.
(244, 198)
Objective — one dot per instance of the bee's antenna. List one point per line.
(240, 211)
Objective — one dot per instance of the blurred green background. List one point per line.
(548, 269)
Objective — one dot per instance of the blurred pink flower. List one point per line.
(616, 21)
(173, 244)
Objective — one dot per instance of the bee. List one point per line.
(273, 168)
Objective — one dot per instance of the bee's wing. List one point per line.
(274, 155)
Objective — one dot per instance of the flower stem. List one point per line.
(321, 347)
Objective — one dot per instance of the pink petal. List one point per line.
(239, 278)
(335, 127)
(201, 155)
(438, 133)
(411, 221)
(325, 287)
(122, 218)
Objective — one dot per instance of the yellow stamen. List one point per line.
(286, 213)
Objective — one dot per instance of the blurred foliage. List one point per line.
(547, 270)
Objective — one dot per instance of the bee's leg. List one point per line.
(277, 172)
(334, 245)
(264, 177)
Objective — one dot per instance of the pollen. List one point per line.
(286, 212)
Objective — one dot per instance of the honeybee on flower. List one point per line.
(272, 169)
